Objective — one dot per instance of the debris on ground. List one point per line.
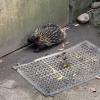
(1, 61)
(76, 25)
(97, 77)
(83, 18)
(67, 65)
(67, 43)
(93, 89)
(18, 64)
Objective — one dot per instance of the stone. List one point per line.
(95, 5)
(93, 89)
(83, 18)
(77, 7)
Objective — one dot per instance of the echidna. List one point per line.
(47, 36)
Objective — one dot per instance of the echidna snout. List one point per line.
(31, 39)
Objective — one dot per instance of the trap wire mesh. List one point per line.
(57, 72)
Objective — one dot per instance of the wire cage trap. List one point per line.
(63, 70)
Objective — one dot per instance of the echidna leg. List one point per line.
(40, 47)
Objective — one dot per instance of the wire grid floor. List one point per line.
(63, 70)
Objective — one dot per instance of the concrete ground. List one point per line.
(15, 87)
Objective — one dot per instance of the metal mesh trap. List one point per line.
(63, 70)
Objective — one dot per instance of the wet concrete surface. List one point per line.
(20, 89)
